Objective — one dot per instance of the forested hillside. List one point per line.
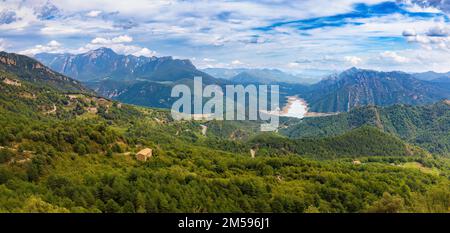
(426, 126)
(33, 71)
(368, 141)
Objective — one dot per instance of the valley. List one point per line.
(66, 148)
(148, 82)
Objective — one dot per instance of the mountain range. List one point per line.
(148, 81)
(145, 81)
(265, 76)
(142, 80)
(433, 76)
(359, 87)
(104, 63)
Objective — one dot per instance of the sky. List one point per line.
(295, 36)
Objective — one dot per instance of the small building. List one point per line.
(253, 153)
(144, 154)
(204, 129)
(356, 162)
(93, 110)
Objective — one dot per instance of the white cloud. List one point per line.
(418, 38)
(118, 44)
(208, 59)
(122, 39)
(413, 6)
(51, 47)
(24, 16)
(436, 37)
(54, 44)
(145, 52)
(3, 45)
(438, 31)
(393, 56)
(59, 30)
(353, 60)
(94, 13)
(293, 65)
(115, 40)
(409, 32)
(118, 48)
(236, 63)
(100, 40)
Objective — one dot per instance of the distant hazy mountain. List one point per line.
(442, 80)
(265, 76)
(358, 87)
(223, 73)
(432, 76)
(105, 63)
(30, 70)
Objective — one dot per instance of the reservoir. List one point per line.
(296, 107)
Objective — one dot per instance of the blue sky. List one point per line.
(295, 36)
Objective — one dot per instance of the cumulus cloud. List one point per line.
(393, 56)
(438, 31)
(100, 40)
(51, 47)
(3, 45)
(8, 16)
(435, 37)
(93, 13)
(209, 59)
(431, 6)
(119, 45)
(144, 52)
(353, 60)
(237, 63)
(47, 11)
(122, 39)
(293, 65)
(409, 32)
(423, 39)
(115, 40)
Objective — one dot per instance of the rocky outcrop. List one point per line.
(7, 61)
